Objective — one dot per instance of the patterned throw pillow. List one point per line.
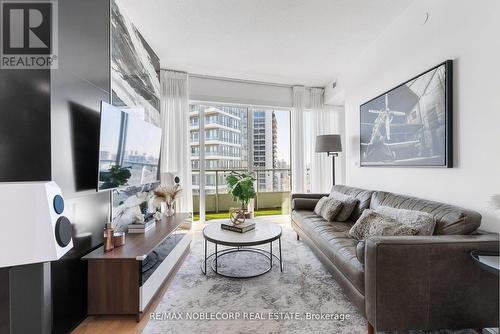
(330, 209)
(372, 224)
(349, 203)
(423, 222)
(319, 205)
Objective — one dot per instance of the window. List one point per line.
(194, 136)
(243, 139)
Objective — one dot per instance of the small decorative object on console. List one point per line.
(187, 224)
(167, 195)
(118, 239)
(108, 237)
(240, 228)
(141, 227)
(138, 218)
(157, 216)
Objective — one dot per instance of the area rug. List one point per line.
(304, 298)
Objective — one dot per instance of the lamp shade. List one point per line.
(328, 143)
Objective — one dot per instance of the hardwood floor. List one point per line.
(126, 324)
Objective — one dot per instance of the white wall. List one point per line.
(467, 32)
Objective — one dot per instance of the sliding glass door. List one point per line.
(227, 138)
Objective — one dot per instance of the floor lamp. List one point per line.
(332, 146)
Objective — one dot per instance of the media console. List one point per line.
(125, 280)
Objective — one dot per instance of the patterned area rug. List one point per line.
(296, 300)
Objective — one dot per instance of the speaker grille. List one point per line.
(63, 231)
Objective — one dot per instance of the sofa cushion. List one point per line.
(363, 196)
(331, 209)
(334, 242)
(319, 206)
(423, 222)
(299, 215)
(348, 204)
(450, 219)
(372, 223)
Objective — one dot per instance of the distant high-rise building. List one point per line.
(227, 147)
(225, 143)
(264, 147)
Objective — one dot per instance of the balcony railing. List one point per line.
(272, 188)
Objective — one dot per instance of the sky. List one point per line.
(283, 138)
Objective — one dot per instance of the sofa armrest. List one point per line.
(429, 282)
(304, 204)
(305, 201)
(308, 195)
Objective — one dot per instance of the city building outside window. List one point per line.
(242, 139)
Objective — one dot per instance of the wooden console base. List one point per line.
(113, 287)
(115, 279)
(105, 324)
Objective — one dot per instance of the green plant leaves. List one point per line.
(241, 186)
(116, 176)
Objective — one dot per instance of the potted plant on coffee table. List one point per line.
(242, 189)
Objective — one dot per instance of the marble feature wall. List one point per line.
(135, 81)
(129, 203)
(135, 88)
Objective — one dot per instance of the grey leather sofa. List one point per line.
(410, 282)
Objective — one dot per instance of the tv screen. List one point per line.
(129, 150)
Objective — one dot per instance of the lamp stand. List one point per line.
(333, 165)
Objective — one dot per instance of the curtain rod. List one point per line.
(202, 76)
(167, 69)
(264, 83)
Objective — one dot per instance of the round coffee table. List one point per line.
(263, 233)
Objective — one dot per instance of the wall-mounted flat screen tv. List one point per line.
(129, 150)
(411, 124)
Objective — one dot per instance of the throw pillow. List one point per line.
(423, 222)
(319, 205)
(372, 224)
(348, 205)
(330, 209)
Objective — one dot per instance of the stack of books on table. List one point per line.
(240, 228)
(141, 228)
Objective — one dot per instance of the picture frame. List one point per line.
(410, 125)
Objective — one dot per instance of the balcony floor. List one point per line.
(224, 215)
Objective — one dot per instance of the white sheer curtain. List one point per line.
(175, 151)
(298, 167)
(323, 122)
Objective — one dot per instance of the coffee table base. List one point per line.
(217, 254)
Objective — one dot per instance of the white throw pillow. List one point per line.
(330, 209)
(349, 203)
(423, 222)
(319, 205)
(372, 223)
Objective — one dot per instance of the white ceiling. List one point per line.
(308, 42)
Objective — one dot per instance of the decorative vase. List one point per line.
(237, 215)
(169, 209)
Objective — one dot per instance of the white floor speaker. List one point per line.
(33, 227)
